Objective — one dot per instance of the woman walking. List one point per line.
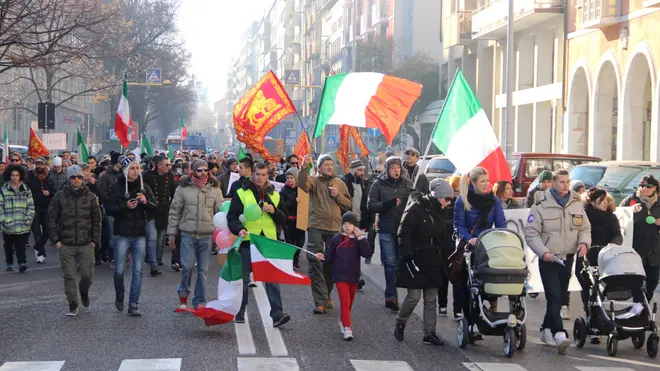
(16, 215)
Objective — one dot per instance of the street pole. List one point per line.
(509, 80)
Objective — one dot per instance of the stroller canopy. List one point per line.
(500, 249)
(616, 260)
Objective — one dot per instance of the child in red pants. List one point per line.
(344, 253)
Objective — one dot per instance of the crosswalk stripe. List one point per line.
(623, 360)
(267, 364)
(157, 364)
(273, 335)
(32, 366)
(582, 368)
(483, 366)
(244, 337)
(365, 365)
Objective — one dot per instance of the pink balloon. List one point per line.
(215, 234)
(224, 239)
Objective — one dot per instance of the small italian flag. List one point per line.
(464, 134)
(272, 261)
(184, 131)
(123, 117)
(230, 294)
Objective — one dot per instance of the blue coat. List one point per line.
(346, 260)
(464, 221)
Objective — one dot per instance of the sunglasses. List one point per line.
(293, 163)
(77, 177)
(646, 186)
(449, 199)
(15, 160)
(201, 170)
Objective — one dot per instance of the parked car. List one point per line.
(621, 178)
(436, 166)
(526, 166)
(23, 150)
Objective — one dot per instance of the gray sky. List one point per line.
(211, 29)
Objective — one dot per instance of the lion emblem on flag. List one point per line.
(261, 109)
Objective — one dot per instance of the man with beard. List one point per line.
(328, 200)
(412, 169)
(43, 190)
(162, 184)
(57, 174)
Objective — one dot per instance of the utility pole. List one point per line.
(509, 81)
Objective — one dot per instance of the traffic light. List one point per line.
(46, 113)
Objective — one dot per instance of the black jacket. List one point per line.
(129, 222)
(605, 228)
(163, 187)
(411, 173)
(382, 200)
(530, 195)
(288, 197)
(37, 187)
(236, 208)
(224, 182)
(74, 217)
(646, 240)
(367, 218)
(420, 235)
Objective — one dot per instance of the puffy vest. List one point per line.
(264, 224)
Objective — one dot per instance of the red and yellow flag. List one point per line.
(302, 147)
(36, 147)
(345, 134)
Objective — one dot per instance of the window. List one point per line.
(440, 165)
(534, 166)
(590, 175)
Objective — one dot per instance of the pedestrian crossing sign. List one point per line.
(153, 75)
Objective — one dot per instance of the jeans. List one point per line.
(346, 292)
(320, 273)
(155, 241)
(135, 246)
(272, 289)
(73, 258)
(194, 250)
(389, 255)
(40, 231)
(652, 277)
(554, 284)
(566, 296)
(15, 242)
(410, 302)
(108, 222)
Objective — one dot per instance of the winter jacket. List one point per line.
(58, 179)
(129, 222)
(555, 229)
(193, 208)
(344, 254)
(605, 228)
(37, 186)
(16, 209)
(163, 187)
(420, 235)
(530, 195)
(422, 182)
(646, 240)
(366, 219)
(382, 200)
(74, 217)
(464, 221)
(325, 211)
(236, 208)
(224, 182)
(106, 181)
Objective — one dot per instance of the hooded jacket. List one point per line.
(58, 179)
(344, 254)
(74, 217)
(129, 222)
(37, 186)
(193, 208)
(16, 209)
(325, 211)
(382, 200)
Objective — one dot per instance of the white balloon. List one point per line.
(220, 220)
(241, 218)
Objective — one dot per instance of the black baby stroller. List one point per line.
(496, 268)
(618, 278)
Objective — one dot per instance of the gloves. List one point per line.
(390, 204)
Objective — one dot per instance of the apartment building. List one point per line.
(611, 79)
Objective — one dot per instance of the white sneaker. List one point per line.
(546, 337)
(562, 342)
(41, 259)
(348, 333)
(564, 313)
(252, 283)
(341, 328)
(183, 306)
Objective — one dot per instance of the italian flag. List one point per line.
(272, 261)
(366, 100)
(230, 294)
(184, 131)
(123, 117)
(464, 134)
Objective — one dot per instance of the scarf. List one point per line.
(199, 182)
(346, 242)
(648, 201)
(484, 203)
(561, 200)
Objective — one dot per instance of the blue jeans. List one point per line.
(136, 247)
(155, 240)
(108, 221)
(389, 255)
(554, 284)
(272, 289)
(194, 250)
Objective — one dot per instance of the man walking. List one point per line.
(328, 200)
(195, 202)
(162, 185)
(57, 175)
(74, 226)
(43, 190)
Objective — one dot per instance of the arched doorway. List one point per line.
(576, 136)
(634, 140)
(604, 127)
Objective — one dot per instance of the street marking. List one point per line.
(155, 364)
(275, 341)
(603, 368)
(630, 361)
(32, 366)
(244, 337)
(362, 365)
(480, 366)
(267, 364)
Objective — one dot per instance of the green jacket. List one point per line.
(16, 209)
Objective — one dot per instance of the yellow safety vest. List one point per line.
(264, 224)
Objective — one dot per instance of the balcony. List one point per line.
(489, 21)
(457, 29)
(325, 5)
(598, 13)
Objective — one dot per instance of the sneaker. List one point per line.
(341, 327)
(252, 283)
(105, 259)
(442, 312)
(595, 339)
(183, 302)
(361, 284)
(392, 304)
(562, 342)
(331, 304)
(348, 333)
(546, 337)
(119, 304)
(367, 261)
(97, 263)
(458, 316)
(84, 299)
(160, 263)
(239, 318)
(564, 313)
(41, 259)
(10, 268)
(73, 310)
(176, 267)
(321, 309)
(281, 320)
(111, 265)
(22, 267)
(155, 272)
(134, 311)
(432, 339)
(398, 330)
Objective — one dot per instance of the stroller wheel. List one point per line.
(612, 345)
(462, 333)
(580, 332)
(652, 345)
(521, 340)
(509, 342)
(638, 339)
(534, 295)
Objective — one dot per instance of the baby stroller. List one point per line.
(618, 277)
(496, 268)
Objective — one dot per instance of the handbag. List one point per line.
(456, 259)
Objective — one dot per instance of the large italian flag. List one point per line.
(230, 294)
(366, 100)
(272, 261)
(464, 134)
(123, 117)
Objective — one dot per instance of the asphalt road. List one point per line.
(36, 335)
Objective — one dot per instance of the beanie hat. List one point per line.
(293, 172)
(439, 188)
(355, 165)
(199, 163)
(57, 161)
(74, 170)
(350, 217)
(114, 158)
(323, 158)
(412, 150)
(392, 160)
(455, 181)
(43, 160)
(545, 175)
(126, 162)
(577, 184)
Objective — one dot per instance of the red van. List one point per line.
(526, 166)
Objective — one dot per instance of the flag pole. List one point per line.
(309, 140)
